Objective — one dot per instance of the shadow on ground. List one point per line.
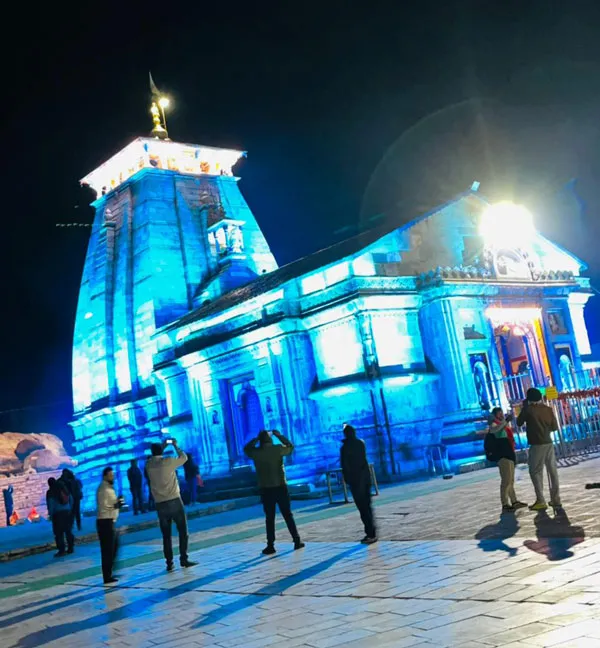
(555, 536)
(492, 537)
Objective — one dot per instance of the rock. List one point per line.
(26, 447)
(20, 453)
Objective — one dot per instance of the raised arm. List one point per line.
(287, 446)
(497, 427)
(250, 448)
(522, 415)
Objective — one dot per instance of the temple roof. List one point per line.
(292, 270)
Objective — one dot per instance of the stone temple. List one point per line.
(187, 327)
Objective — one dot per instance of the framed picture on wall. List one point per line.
(556, 323)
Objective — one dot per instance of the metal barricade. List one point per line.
(578, 416)
(441, 451)
(336, 475)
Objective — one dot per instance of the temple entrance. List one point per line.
(521, 348)
(247, 418)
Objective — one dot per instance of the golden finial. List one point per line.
(157, 110)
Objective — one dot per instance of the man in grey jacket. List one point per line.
(162, 475)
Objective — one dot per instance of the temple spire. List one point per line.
(157, 110)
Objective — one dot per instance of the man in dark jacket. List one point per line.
(8, 503)
(191, 472)
(268, 461)
(59, 502)
(134, 476)
(540, 422)
(75, 488)
(357, 474)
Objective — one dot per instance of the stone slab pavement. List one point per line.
(449, 571)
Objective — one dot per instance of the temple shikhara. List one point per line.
(187, 327)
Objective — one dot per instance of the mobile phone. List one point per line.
(169, 442)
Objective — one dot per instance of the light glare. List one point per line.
(505, 224)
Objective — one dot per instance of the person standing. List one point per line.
(107, 507)
(357, 474)
(191, 472)
(60, 511)
(162, 474)
(7, 493)
(540, 422)
(134, 476)
(268, 461)
(506, 456)
(75, 488)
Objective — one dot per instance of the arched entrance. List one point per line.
(246, 417)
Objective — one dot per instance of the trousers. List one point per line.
(540, 457)
(137, 499)
(171, 512)
(192, 484)
(62, 527)
(272, 498)
(507, 481)
(361, 494)
(109, 546)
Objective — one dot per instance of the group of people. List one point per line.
(540, 422)
(268, 460)
(136, 484)
(161, 472)
(63, 501)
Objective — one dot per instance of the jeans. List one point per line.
(169, 512)
(271, 499)
(361, 494)
(507, 481)
(62, 526)
(109, 545)
(192, 484)
(137, 499)
(540, 456)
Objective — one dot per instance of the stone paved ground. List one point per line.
(448, 572)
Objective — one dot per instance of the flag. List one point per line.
(153, 89)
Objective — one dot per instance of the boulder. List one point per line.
(20, 453)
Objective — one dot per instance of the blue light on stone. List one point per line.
(186, 326)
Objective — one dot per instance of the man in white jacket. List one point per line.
(162, 474)
(107, 512)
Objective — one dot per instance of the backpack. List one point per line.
(490, 447)
(63, 494)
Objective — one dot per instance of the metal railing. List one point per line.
(578, 417)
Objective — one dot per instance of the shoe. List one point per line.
(538, 506)
(298, 544)
(111, 581)
(60, 554)
(555, 505)
(188, 563)
(368, 541)
(71, 550)
(519, 505)
(269, 550)
(170, 567)
(507, 508)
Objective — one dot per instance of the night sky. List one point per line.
(344, 113)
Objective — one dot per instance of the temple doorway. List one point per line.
(247, 418)
(521, 349)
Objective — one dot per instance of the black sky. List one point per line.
(343, 111)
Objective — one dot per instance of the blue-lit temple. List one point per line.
(186, 325)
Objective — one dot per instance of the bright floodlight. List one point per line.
(506, 224)
(163, 102)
